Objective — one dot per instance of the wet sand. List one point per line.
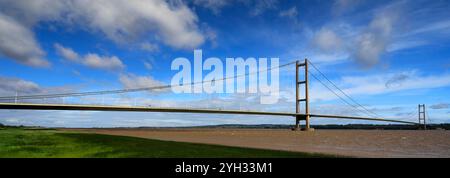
(357, 143)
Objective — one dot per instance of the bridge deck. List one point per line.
(33, 106)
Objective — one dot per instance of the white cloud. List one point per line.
(91, 59)
(327, 40)
(387, 33)
(329, 59)
(149, 47)
(148, 65)
(214, 5)
(103, 62)
(8, 86)
(440, 106)
(368, 43)
(382, 84)
(372, 44)
(210, 34)
(31, 12)
(440, 26)
(18, 43)
(66, 53)
(173, 24)
(368, 50)
(291, 12)
(377, 84)
(260, 6)
(257, 7)
(405, 44)
(133, 81)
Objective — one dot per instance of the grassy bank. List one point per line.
(25, 143)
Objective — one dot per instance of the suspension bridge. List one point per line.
(13, 102)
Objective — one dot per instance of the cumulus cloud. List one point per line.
(129, 81)
(440, 106)
(8, 86)
(90, 60)
(372, 44)
(387, 31)
(31, 12)
(367, 43)
(17, 42)
(173, 24)
(327, 40)
(103, 62)
(66, 53)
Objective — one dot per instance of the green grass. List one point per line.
(22, 143)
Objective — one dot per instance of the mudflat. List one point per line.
(355, 143)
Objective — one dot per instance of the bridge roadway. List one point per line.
(34, 106)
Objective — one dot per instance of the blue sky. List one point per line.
(388, 55)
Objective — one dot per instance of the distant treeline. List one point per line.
(280, 126)
(18, 126)
(334, 126)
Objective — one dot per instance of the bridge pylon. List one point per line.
(306, 116)
(422, 116)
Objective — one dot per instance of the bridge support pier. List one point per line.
(307, 126)
(305, 118)
(297, 124)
